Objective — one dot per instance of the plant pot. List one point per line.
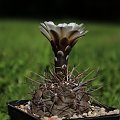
(17, 114)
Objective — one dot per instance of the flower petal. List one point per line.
(55, 37)
(50, 25)
(64, 42)
(45, 33)
(50, 22)
(63, 32)
(69, 28)
(62, 35)
(71, 24)
(71, 34)
(73, 38)
(62, 25)
(77, 27)
(77, 33)
(44, 26)
(73, 42)
(58, 30)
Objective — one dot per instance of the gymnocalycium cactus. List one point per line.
(62, 93)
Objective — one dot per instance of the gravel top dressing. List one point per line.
(94, 112)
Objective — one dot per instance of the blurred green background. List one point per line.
(24, 49)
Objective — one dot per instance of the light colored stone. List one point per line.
(25, 111)
(80, 116)
(44, 118)
(17, 106)
(110, 113)
(90, 113)
(116, 111)
(93, 107)
(53, 118)
(36, 115)
(22, 106)
(102, 109)
(102, 113)
(97, 107)
(94, 113)
(29, 102)
(75, 116)
(85, 114)
(26, 106)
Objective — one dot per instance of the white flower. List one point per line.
(62, 35)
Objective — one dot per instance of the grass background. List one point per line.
(23, 49)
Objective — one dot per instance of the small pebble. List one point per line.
(35, 115)
(102, 109)
(97, 107)
(80, 116)
(94, 113)
(85, 114)
(44, 118)
(90, 113)
(93, 107)
(25, 111)
(22, 106)
(29, 103)
(75, 116)
(110, 113)
(102, 113)
(17, 106)
(53, 118)
(116, 111)
(26, 106)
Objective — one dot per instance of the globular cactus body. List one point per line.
(60, 96)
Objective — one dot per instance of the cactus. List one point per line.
(63, 93)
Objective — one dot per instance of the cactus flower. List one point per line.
(62, 38)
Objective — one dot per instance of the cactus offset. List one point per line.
(62, 94)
